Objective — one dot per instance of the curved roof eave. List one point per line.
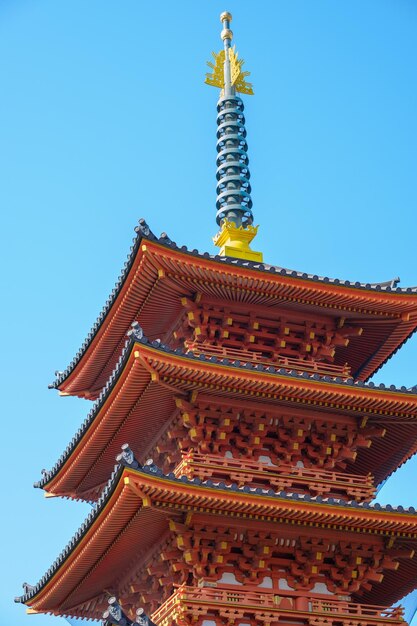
(207, 484)
(143, 232)
(138, 337)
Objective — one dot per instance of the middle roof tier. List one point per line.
(163, 402)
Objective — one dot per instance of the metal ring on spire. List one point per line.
(234, 202)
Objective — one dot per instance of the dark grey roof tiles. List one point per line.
(208, 484)
(282, 371)
(95, 511)
(48, 475)
(135, 335)
(143, 232)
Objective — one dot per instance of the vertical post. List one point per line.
(227, 37)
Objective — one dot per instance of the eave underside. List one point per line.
(141, 401)
(159, 275)
(134, 516)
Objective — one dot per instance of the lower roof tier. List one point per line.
(158, 275)
(151, 380)
(139, 509)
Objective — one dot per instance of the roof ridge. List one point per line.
(152, 469)
(282, 371)
(144, 232)
(48, 475)
(136, 335)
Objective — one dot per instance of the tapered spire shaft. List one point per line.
(234, 203)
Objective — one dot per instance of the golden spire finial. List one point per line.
(234, 203)
(225, 16)
(226, 71)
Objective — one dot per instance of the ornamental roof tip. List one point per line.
(152, 469)
(143, 231)
(96, 509)
(127, 458)
(114, 614)
(48, 475)
(136, 335)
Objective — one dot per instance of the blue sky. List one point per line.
(105, 118)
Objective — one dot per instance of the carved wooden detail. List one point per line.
(195, 606)
(155, 578)
(263, 333)
(344, 566)
(279, 436)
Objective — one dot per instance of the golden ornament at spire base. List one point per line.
(234, 241)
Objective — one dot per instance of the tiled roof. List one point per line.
(47, 476)
(143, 232)
(207, 484)
(71, 545)
(136, 336)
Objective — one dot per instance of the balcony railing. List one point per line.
(289, 363)
(189, 603)
(283, 477)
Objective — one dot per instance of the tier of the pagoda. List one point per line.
(150, 532)
(248, 446)
(338, 327)
(258, 413)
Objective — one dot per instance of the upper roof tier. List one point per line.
(150, 375)
(158, 275)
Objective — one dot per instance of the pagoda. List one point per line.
(233, 397)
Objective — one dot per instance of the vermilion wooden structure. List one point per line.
(162, 284)
(266, 443)
(233, 396)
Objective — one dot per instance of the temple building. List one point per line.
(234, 443)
